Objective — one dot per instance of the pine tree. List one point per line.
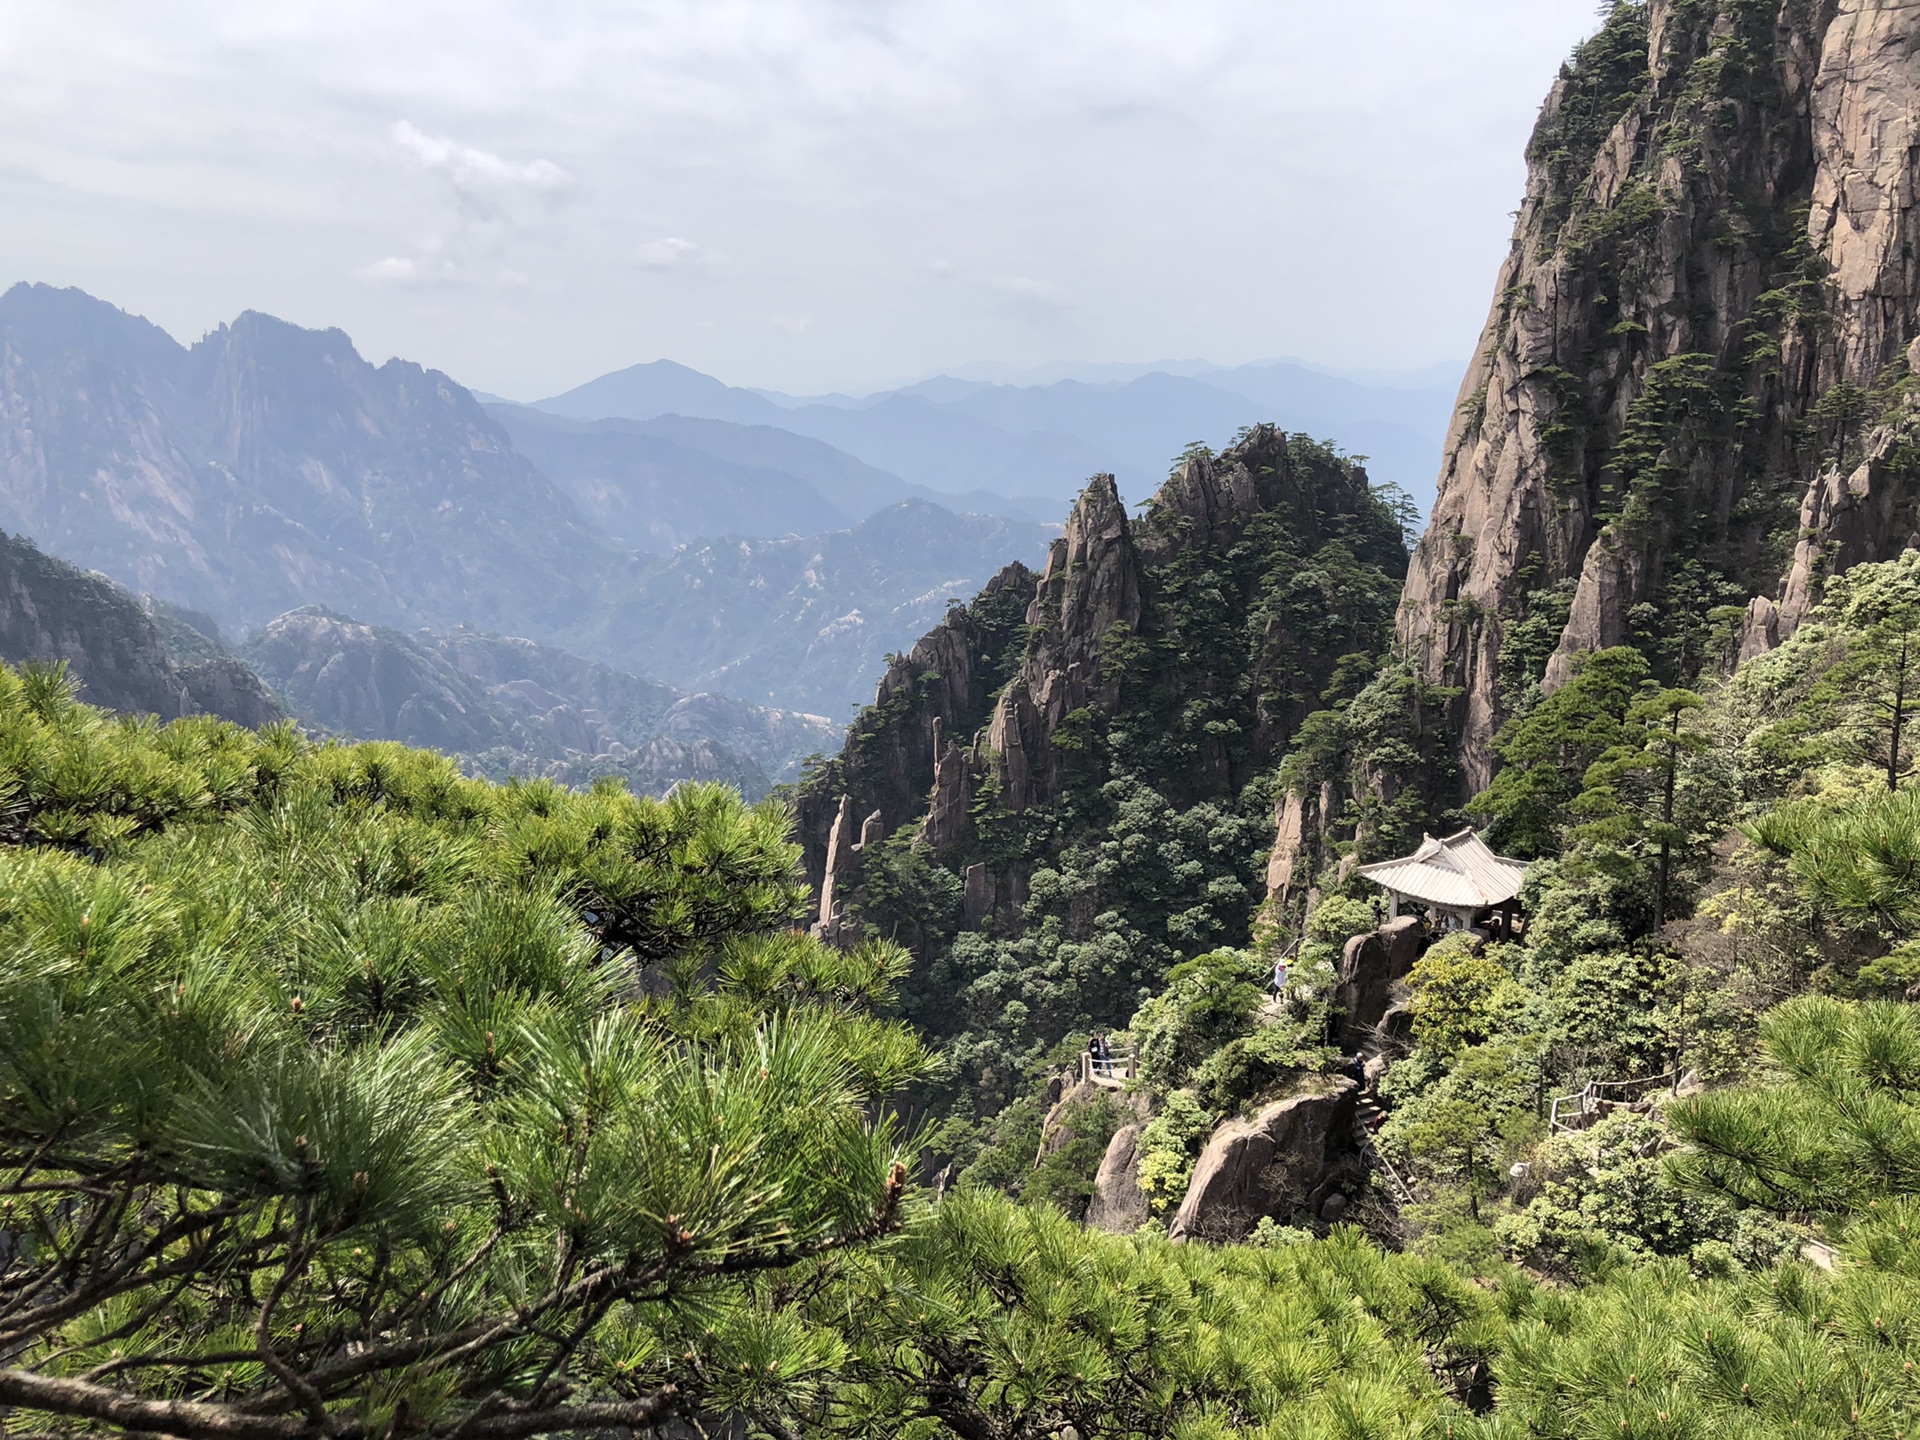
(341, 1096)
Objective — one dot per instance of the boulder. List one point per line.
(1371, 969)
(1286, 1162)
(1118, 1206)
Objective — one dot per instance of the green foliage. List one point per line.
(1837, 1132)
(1455, 986)
(1169, 1145)
(335, 1085)
(1607, 74)
(1071, 1155)
(1115, 910)
(1252, 1069)
(1530, 636)
(1382, 741)
(1546, 753)
(1454, 1119)
(989, 1320)
(1338, 918)
(1607, 1197)
(1005, 1161)
(1858, 865)
(1657, 1352)
(1207, 1001)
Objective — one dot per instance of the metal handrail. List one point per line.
(1116, 1068)
(1586, 1101)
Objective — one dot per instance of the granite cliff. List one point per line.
(1217, 600)
(1066, 786)
(1691, 402)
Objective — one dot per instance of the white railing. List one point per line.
(1114, 1070)
(1572, 1112)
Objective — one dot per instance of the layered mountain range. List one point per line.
(267, 468)
(1027, 448)
(507, 707)
(512, 707)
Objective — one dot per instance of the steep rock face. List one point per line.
(1711, 285)
(269, 466)
(1117, 1204)
(1285, 1163)
(1091, 585)
(942, 687)
(1372, 968)
(1207, 612)
(513, 707)
(50, 612)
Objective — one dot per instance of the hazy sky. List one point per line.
(806, 194)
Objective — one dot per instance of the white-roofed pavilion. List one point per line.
(1459, 878)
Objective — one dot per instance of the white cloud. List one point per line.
(485, 184)
(394, 270)
(1101, 179)
(793, 324)
(669, 252)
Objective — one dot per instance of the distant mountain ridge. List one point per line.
(267, 467)
(808, 621)
(949, 433)
(652, 485)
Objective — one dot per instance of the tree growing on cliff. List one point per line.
(1545, 755)
(1630, 802)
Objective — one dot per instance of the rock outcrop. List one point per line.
(1713, 279)
(52, 612)
(983, 703)
(1117, 1205)
(1091, 585)
(846, 849)
(1372, 968)
(948, 681)
(1287, 1162)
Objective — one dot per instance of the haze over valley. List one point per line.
(762, 548)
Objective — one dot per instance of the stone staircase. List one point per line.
(1366, 1110)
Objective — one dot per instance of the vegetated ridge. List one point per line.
(144, 660)
(509, 707)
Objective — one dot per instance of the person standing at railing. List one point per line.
(1099, 1055)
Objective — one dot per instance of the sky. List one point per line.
(806, 195)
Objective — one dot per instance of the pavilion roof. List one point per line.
(1458, 872)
